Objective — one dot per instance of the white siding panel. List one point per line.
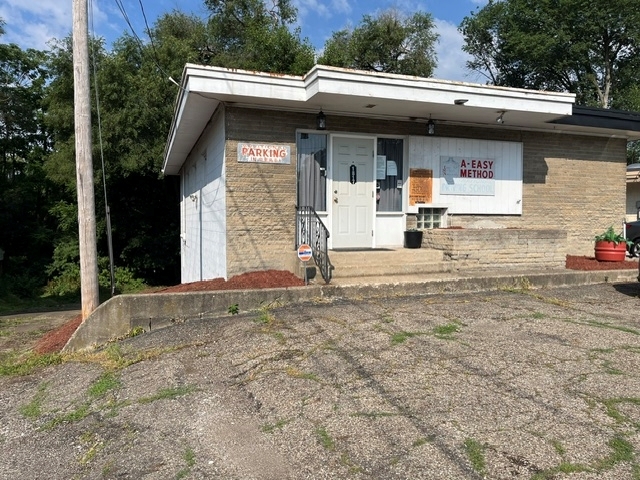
(214, 223)
(203, 208)
(426, 152)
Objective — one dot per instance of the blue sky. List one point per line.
(32, 23)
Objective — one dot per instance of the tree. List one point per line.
(25, 195)
(246, 34)
(387, 43)
(581, 46)
(136, 107)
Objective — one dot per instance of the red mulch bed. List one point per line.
(263, 279)
(55, 340)
(590, 263)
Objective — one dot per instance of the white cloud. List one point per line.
(34, 23)
(451, 58)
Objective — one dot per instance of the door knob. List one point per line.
(335, 199)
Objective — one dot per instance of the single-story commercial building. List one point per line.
(348, 160)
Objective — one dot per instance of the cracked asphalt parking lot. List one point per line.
(511, 384)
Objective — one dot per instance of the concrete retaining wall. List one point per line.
(118, 316)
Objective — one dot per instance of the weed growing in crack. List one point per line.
(270, 428)
(325, 439)
(558, 447)
(447, 330)
(33, 409)
(73, 416)
(107, 381)
(295, 373)
(475, 452)
(374, 414)
(189, 458)
(401, 337)
(168, 394)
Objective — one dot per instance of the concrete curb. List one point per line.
(120, 315)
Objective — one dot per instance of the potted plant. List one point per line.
(412, 238)
(610, 246)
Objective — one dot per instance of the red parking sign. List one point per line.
(304, 252)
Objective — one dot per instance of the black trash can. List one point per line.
(412, 238)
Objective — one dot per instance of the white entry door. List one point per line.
(353, 193)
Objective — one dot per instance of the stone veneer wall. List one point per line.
(504, 247)
(571, 183)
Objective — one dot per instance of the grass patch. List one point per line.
(33, 409)
(475, 452)
(270, 428)
(401, 337)
(538, 315)
(558, 447)
(621, 451)
(15, 365)
(114, 358)
(107, 381)
(168, 394)
(325, 439)
(189, 458)
(611, 407)
(564, 467)
(74, 416)
(447, 330)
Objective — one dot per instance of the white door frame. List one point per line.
(330, 186)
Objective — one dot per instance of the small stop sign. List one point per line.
(304, 252)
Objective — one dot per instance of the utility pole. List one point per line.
(84, 163)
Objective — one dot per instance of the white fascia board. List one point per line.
(332, 81)
(240, 83)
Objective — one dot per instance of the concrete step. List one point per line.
(381, 262)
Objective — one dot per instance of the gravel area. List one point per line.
(522, 384)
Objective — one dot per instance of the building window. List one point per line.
(312, 170)
(389, 178)
(428, 218)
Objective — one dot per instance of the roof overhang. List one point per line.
(339, 91)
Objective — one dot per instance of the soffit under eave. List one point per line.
(190, 122)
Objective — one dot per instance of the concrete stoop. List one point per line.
(387, 261)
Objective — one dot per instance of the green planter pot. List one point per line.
(413, 239)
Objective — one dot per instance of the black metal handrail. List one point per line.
(311, 230)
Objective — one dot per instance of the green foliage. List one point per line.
(387, 43)
(325, 439)
(248, 34)
(168, 394)
(475, 452)
(609, 235)
(233, 309)
(588, 48)
(108, 381)
(33, 409)
(20, 366)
